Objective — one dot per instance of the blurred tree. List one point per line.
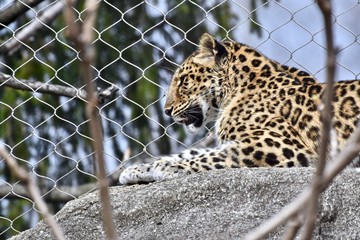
(138, 42)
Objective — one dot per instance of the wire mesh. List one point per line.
(139, 44)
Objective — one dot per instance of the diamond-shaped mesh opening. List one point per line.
(138, 46)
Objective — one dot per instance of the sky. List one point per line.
(293, 34)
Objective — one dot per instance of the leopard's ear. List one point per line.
(210, 51)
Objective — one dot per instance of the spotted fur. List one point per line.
(266, 113)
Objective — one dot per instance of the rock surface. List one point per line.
(223, 204)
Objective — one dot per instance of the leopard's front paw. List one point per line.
(157, 171)
(137, 174)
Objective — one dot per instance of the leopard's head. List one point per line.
(197, 87)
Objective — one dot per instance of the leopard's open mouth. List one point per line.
(193, 115)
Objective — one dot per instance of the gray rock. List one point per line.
(223, 204)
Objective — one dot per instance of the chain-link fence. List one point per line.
(138, 46)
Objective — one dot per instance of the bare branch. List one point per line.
(34, 191)
(40, 22)
(16, 9)
(83, 42)
(344, 158)
(35, 86)
(103, 95)
(312, 210)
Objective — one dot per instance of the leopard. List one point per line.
(266, 114)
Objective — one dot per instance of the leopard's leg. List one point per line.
(145, 172)
(262, 148)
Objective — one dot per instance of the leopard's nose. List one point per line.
(168, 111)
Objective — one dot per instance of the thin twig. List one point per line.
(61, 193)
(323, 175)
(326, 116)
(333, 168)
(83, 42)
(293, 226)
(73, 26)
(34, 191)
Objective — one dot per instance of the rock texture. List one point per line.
(222, 204)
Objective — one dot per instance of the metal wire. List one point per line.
(291, 33)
